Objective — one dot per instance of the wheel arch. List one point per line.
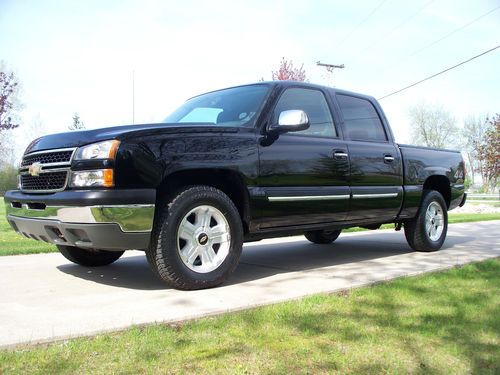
(441, 184)
(228, 181)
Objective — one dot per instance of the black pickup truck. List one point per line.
(241, 164)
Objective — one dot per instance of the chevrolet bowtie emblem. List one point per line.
(34, 169)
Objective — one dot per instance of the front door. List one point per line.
(304, 174)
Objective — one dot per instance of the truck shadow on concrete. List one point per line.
(260, 260)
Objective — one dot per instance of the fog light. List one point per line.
(100, 177)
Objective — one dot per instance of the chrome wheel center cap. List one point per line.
(203, 239)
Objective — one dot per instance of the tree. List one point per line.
(7, 149)
(432, 126)
(9, 86)
(473, 130)
(77, 123)
(35, 128)
(8, 178)
(488, 150)
(287, 72)
(9, 104)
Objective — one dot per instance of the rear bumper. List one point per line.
(106, 219)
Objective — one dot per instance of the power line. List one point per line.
(377, 41)
(439, 73)
(361, 23)
(449, 34)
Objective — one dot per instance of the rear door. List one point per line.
(375, 161)
(304, 175)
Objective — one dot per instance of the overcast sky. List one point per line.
(78, 56)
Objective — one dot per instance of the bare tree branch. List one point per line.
(432, 126)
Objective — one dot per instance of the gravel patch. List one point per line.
(476, 209)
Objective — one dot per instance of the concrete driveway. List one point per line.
(44, 297)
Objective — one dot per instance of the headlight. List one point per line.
(99, 177)
(100, 150)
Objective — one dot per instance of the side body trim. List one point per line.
(307, 198)
(380, 195)
(296, 198)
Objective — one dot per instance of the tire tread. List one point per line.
(415, 229)
(89, 258)
(321, 237)
(161, 261)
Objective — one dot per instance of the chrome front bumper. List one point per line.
(130, 218)
(95, 227)
(108, 219)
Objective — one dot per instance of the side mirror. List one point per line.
(291, 121)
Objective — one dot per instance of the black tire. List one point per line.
(163, 252)
(89, 258)
(415, 230)
(323, 236)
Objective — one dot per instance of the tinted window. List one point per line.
(236, 106)
(361, 120)
(202, 115)
(313, 103)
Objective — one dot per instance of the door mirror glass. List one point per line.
(292, 121)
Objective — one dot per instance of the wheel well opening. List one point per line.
(229, 182)
(440, 184)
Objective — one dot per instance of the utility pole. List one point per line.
(330, 68)
(133, 97)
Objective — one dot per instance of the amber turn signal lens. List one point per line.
(113, 149)
(108, 178)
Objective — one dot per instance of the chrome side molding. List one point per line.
(297, 198)
(308, 198)
(381, 195)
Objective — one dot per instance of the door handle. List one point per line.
(339, 154)
(388, 158)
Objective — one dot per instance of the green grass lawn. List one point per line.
(12, 243)
(440, 323)
(467, 218)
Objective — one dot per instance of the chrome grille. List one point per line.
(47, 158)
(52, 174)
(49, 181)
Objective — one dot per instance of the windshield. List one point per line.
(230, 107)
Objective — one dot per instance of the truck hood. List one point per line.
(84, 137)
